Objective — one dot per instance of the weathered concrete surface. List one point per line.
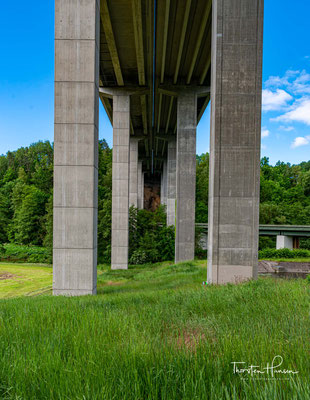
(284, 242)
(186, 177)
(140, 186)
(171, 181)
(164, 185)
(237, 35)
(120, 181)
(133, 174)
(76, 147)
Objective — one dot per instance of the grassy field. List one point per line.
(155, 332)
(24, 279)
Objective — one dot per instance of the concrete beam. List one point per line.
(108, 30)
(186, 177)
(76, 147)
(176, 90)
(120, 181)
(124, 90)
(169, 115)
(182, 39)
(199, 40)
(237, 33)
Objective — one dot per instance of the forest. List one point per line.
(26, 202)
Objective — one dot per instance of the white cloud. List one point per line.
(275, 100)
(264, 147)
(300, 141)
(277, 81)
(286, 128)
(296, 82)
(300, 112)
(302, 83)
(265, 132)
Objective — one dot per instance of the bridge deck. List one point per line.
(275, 230)
(180, 50)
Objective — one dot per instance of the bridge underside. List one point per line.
(155, 67)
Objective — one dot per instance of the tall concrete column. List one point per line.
(237, 33)
(142, 194)
(140, 200)
(164, 184)
(133, 173)
(171, 182)
(77, 38)
(186, 177)
(120, 181)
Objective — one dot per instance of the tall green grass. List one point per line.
(155, 332)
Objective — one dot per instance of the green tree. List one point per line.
(202, 187)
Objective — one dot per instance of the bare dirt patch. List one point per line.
(113, 283)
(6, 275)
(190, 339)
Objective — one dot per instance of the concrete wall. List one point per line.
(120, 181)
(76, 146)
(237, 33)
(186, 177)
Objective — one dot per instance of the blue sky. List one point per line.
(27, 74)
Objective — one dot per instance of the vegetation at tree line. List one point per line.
(26, 204)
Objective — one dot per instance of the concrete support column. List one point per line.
(171, 182)
(236, 82)
(140, 199)
(77, 35)
(133, 174)
(120, 181)
(186, 177)
(164, 184)
(142, 194)
(284, 242)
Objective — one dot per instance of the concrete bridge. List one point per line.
(287, 235)
(155, 65)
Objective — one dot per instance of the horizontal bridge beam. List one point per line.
(164, 137)
(176, 90)
(275, 230)
(124, 90)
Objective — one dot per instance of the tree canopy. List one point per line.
(26, 197)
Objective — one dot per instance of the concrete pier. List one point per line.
(76, 147)
(237, 33)
(133, 173)
(140, 186)
(171, 181)
(200, 46)
(186, 177)
(120, 181)
(284, 242)
(164, 185)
